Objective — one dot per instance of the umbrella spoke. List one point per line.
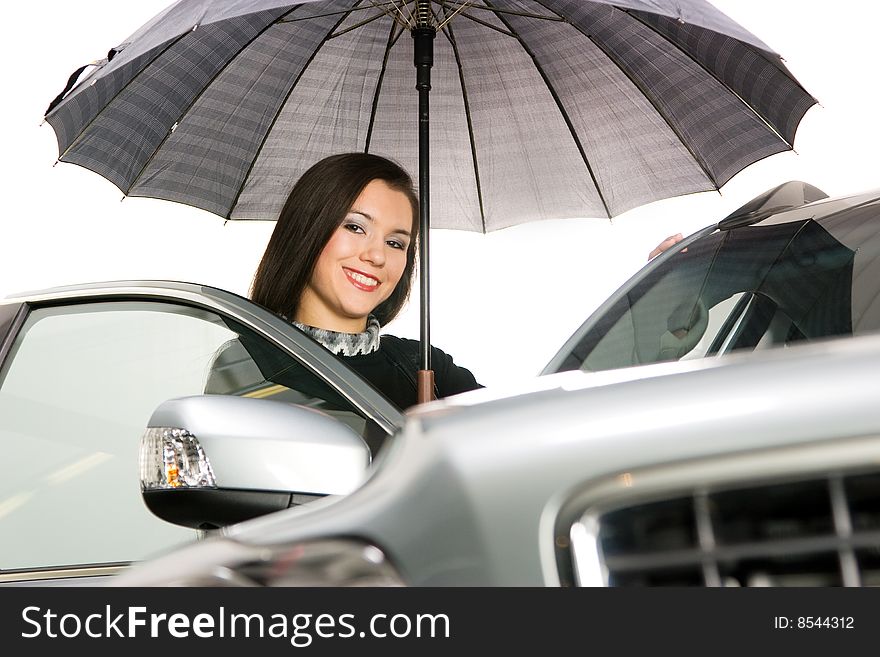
(467, 112)
(562, 111)
(747, 106)
(510, 12)
(373, 5)
(192, 102)
(461, 6)
(83, 131)
(648, 96)
(489, 25)
(280, 109)
(366, 21)
(392, 39)
(395, 10)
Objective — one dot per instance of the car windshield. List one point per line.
(793, 277)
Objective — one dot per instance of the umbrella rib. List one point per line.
(408, 21)
(392, 39)
(281, 108)
(559, 106)
(717, 79)
(196, 99)
(366, 21)
(509, 12)
(489, 25)
(467, 112)
(456, 10)
(374, 5)
(82, 132)
(649, 98)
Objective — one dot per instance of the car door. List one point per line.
(81, 371)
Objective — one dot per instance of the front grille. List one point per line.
(812, 532)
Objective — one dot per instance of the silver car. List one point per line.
(719, 427)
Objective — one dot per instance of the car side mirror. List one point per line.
(212, 460)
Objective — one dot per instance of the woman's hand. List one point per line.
(665, 244)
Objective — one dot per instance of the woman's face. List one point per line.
(361, 264)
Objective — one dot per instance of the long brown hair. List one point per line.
(317, 205)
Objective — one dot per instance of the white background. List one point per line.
(502, 303)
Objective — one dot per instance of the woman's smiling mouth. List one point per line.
(361, 280)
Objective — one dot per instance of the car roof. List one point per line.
(100, 287)
(820, 210)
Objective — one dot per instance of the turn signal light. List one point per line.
(173, 458)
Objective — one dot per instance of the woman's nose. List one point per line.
(374, 252)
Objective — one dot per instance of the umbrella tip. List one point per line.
(55, 163)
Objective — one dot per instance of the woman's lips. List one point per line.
(361, 280)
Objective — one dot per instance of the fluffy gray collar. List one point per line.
(345, 344)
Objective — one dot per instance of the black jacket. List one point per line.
(392, 368)
(245, 362)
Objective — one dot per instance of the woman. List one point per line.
(339, 266)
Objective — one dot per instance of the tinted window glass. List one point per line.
(752, 287)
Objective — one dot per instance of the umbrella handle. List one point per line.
(71, 81)
(426, 386)
(74, 78)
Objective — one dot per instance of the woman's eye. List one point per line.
(394, 244)
(354, 228)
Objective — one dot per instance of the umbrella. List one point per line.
(543, 108)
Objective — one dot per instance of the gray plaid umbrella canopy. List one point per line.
(541, 109)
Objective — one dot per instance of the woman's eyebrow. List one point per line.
(399, 231)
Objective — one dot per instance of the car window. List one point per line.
(76, 393)
(717, 326)
(749, 288)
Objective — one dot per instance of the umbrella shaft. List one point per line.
(423, 59)
(424, 228)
